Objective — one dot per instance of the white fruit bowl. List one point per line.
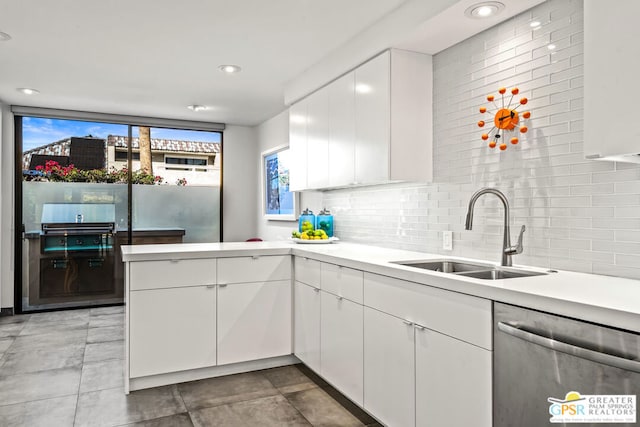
(315, 242)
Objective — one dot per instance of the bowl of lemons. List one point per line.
(312, 236)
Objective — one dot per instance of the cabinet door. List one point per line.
(341, 345)
(298, 146)
(450, 373)
(373, 120)
(342, 131)
(172, 330)
(389, 369)
(306, 325)
(254, 321)
(318, 139)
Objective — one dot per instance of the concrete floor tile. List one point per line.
(42, 360)
(18, 318)
(106, 320)
(11, 329)
(227, 389)
(60, 316)
(321, 409)
(41, 328)
(113, 408)
(39, 385)
(5, 343)
(58, 412)
(101, 311)
(288, 379)
(106, 333)
(104, 351)
(178, 420)
(77, 338)
(272, 411)
(102, 375)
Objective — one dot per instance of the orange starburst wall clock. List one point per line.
(506, 120)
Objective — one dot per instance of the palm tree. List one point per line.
(144, 138)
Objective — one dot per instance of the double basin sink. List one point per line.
(469, 269)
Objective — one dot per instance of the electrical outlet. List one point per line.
(447, 240)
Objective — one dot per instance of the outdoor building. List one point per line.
(197, 163)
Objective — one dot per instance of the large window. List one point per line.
(89, 187)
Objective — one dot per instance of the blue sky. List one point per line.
(38, 131)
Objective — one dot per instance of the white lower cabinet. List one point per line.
(389, 368)
(307, 325)
(341, 345)
(254, 321)
(450, 375)
(171, 330)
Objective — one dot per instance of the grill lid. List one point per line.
(78, 213)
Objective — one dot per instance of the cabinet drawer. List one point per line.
(458, 315)
(171, 273)
(254, 269)
(307, 271)
(342, 281)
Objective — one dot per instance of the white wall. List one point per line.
(239, 179)
(580, 214)
(6, 207)
(273, 133)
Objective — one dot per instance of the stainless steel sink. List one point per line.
(469, 269)
(496, 274)
(445, 266)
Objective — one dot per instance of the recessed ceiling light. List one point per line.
(28, 91)
(484, 9)
(196, 107)
(535, 24)
(551, 46)
(4, 37)
(229, 69)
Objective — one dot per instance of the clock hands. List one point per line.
(511, 115)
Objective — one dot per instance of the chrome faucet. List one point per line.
(507, 249)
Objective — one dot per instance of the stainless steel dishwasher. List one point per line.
(548, 366)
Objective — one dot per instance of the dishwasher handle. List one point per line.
(581, 352)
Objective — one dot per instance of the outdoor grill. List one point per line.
(77, 249)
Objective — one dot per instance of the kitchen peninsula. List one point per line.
(202, 310)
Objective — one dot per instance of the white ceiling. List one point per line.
(154, 57)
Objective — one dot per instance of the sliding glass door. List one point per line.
(87, 187)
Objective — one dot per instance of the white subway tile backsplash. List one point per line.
(580, 214)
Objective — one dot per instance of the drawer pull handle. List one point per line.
(339, 298)
(211, 286)
(222, 285)
(419, 327)
(407, 322)
(316, 289)
(174, 261)
(255, 256)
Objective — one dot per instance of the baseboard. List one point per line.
(6, 311)
(210, 372)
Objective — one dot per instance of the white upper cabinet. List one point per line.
(318, 139)
(372, 125)
(342, 131)
(298, 145)
(373, 112)
(611, 66)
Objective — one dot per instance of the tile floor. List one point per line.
(66, 369)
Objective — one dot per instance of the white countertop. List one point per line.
(606, 300)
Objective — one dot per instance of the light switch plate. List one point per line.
(447, 240)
